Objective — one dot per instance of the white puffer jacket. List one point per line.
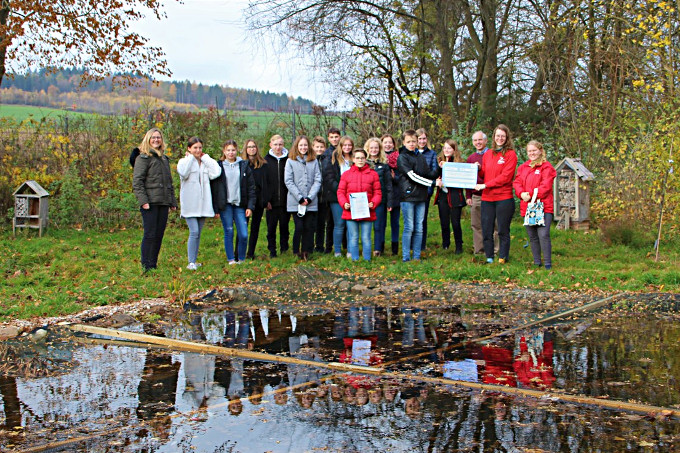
(194, 194)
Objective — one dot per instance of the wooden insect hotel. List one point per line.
(30, 207)
(572, 194)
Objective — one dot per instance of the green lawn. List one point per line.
(21, 112)
(70, 270)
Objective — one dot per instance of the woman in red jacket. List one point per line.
(498, 203)
(359, 178)
(537, 173)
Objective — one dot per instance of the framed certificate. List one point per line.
(459, 175)
(358, 205)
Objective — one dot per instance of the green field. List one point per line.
(258, 123)
(22, 112)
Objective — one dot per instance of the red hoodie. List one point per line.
(540, 177)
(498, 171)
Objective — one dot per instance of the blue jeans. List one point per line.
(379, 227)
(338, 226)
(353, 228)
(414, 213)
(230, 216)
(195, 225)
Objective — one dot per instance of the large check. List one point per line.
(459, 175)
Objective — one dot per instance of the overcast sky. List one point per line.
(207, 41)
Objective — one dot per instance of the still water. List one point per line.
(110, 398)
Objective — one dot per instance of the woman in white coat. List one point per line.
(196, 169)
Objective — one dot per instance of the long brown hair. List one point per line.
(257, 161)
(228, 143)
(508, 140)
(456, 152)
(294, 152)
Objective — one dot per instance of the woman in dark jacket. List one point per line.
(152, 185)
(341, 161)
(251, 154)
(378, 161)
(389, 146)
(450, 200)
(234, 198)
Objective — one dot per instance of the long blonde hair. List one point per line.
(541, 159)
(337, 154)
(146, 148)
(382, 158)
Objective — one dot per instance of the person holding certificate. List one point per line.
(359, 194)
(450, 200)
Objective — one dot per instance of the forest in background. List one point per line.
(64, 88)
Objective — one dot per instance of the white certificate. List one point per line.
(459, 175)
(358, 205)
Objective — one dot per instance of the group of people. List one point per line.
(340, 195)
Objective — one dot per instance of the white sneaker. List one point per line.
(192, 266)
(349, 255)
(199, 264)
(233, 262)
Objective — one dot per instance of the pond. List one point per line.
(111, 396)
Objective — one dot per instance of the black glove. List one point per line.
(302, 200)
(309, 200)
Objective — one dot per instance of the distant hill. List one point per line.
(63, 89)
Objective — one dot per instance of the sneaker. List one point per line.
(489, 260)
(338, 254)
(548, 267)
(502, 261)
(233, 262)
(192, 266)
(349, 255)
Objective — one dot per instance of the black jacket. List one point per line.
(260, 177)
(416, 176)
(152, 181)
(248, 191)
(385, 174)
(276, 192)
(331, 180)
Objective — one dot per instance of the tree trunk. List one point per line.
(4, 40)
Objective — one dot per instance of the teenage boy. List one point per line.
(416, 178)
(333, 140)
(431, 159)
(277, 214)
(474, 197)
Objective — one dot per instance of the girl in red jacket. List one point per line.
(498, 203)
(359, 178)
(537, 173)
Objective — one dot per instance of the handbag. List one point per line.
(534, 215)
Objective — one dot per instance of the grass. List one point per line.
(69, 270)
(258, 123)
(22, 112)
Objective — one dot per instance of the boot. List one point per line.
(395, 248)
(459, 249)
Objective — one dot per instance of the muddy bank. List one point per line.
(309, 288)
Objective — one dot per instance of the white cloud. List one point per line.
(208, 41)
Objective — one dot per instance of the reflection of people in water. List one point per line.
(533, 359)
(498, 366)
(412, 398)
(235, 405)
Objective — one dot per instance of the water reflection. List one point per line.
(156, 401)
